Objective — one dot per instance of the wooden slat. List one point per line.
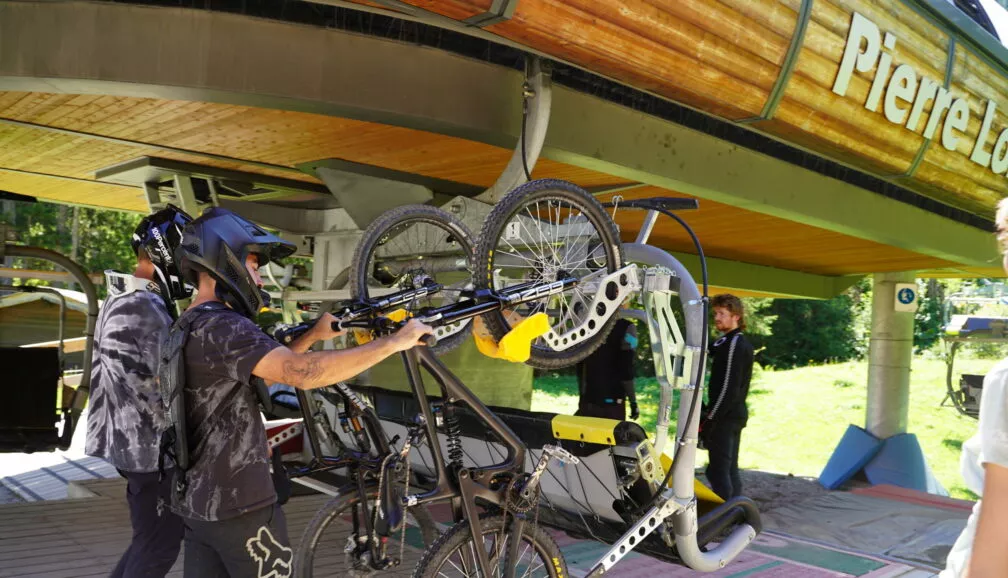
(248, 133)
(74, 192)
(290, 138)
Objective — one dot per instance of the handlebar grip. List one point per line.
(429, 340)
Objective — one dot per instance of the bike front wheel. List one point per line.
(453, 555)
(542, 232)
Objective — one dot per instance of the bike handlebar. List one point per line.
(367, 314)
(287, 335)
(659, 203)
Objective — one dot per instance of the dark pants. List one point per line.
(157, 533)
(606, 410)
(723, 442)
(253, 545)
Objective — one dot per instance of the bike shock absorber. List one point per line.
(454, 435)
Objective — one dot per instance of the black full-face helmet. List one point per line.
(159, 235)
(218, 242)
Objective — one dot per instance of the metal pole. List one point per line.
(537, 97)
(890, 352)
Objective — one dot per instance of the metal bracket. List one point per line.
(650, 464)
(668, 346)
(500, 11)
(609, 292)
(153, 196)
(649, 522)
(537, 96)
(186, 195)
(365, 197)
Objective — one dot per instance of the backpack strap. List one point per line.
(171, 383)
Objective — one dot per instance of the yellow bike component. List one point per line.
(595, 430)
(362, 336)
(397, 315)
(517, 344)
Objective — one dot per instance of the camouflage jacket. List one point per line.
(125, 413)
(229, 471)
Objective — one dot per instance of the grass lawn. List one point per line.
(798, 416)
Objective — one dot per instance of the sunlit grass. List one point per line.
(798, 416)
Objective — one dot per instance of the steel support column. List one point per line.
(890, 352)
(537, 93)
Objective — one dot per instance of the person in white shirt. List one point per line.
(980, 551)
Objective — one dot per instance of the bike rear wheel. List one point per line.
(407, 244)
(453, 555)
(541, 232)
(322, 548)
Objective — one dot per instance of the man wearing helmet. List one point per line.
(223, 489)
(125, 414)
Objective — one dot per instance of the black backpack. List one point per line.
(171, 382)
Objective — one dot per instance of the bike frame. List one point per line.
(461, 486)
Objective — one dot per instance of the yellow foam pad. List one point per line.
(517, 344)
(361, 336)
(397, 315)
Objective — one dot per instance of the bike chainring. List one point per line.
(516, 502)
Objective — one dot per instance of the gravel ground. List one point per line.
(770, 490)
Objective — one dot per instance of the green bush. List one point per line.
(807, 331)
(929, 319)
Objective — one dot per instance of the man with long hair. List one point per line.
(725, 414)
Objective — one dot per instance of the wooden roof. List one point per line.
(60, 167)
(772, 65)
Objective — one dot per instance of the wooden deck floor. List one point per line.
(84, 537)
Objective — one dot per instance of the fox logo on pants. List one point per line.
(274, 558)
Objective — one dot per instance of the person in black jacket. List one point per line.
(725, 414)
(606, 377)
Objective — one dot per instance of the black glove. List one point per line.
(634, 412)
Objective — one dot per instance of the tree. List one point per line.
(929, 320)
(100, 238)
(809, 331)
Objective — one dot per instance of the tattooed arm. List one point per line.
(321, 331)
(321, 368)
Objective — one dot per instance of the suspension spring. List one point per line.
(454, 433)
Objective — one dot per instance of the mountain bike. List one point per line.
(416, 261)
